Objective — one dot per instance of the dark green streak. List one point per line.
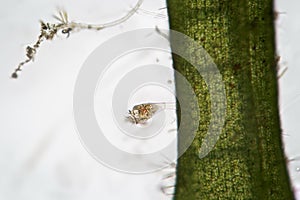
(247, 161)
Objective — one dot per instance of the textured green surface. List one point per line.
(247, 161)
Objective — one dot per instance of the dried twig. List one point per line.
(48, 31)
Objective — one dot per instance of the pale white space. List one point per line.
(288, 41)
(145, 93)
(41, 154)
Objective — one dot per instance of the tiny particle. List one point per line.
(14, 75)
(169, 81)
(142, 112)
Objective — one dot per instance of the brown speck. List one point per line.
(14, 75)
(237, 66)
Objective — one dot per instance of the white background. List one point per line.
(288, 40)
(41, 155)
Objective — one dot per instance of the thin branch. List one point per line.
(48, 31)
